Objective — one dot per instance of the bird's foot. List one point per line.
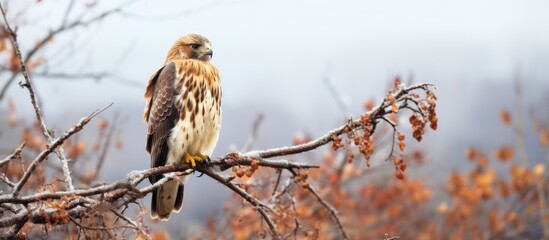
(206, 160)
(194, 159)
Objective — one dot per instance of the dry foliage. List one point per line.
(498, 198)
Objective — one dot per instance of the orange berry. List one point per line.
(402, 146)
(102, 124)
(401, 137)
(403, 167)
(399, 175)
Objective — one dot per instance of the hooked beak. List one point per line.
(207, 50)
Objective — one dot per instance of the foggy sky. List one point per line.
(274, 55)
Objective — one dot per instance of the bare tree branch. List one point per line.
(36, 105)
(132, 223)
(15, 155)
(98, 76)
(259, 206)
(375, 114)
(67, 13)
(62, 28)
(56, 143)
(5, 179)
(136, 177)
(103, 155)
(331, 209)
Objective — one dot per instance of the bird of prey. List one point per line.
(183, 113)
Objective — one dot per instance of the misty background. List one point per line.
(274, 57)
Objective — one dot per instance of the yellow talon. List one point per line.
(193, 159)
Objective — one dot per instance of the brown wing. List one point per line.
(161, 114)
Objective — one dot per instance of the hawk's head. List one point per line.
(191, 46)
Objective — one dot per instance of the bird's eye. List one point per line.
(195, 46)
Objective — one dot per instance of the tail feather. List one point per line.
(179, 200)
(154, 212)
(167, 198)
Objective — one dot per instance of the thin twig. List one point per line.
(36, 104)
(42, 156)
(253, 134)
(331, 209)
(328, 206)
(277, 182)
(63, 28)
(5, 179)
(259, 206)
(97, 77)
(98, 228)
(15, 155)
(393, 125)
(131, 222)
(106, 145)
(337, 96)
(67, 12)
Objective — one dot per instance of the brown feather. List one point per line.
(149, 92)
(162, 116)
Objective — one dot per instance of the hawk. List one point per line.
(183, 113)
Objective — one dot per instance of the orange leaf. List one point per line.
(504, 154)
(14, 62)
(471, 153)
(102, 124)
(118, 143)
(505, 116)
(369, 105)
(544, 138)
(3, 45)
(397, 81)
(394, 107)
(13, 119)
